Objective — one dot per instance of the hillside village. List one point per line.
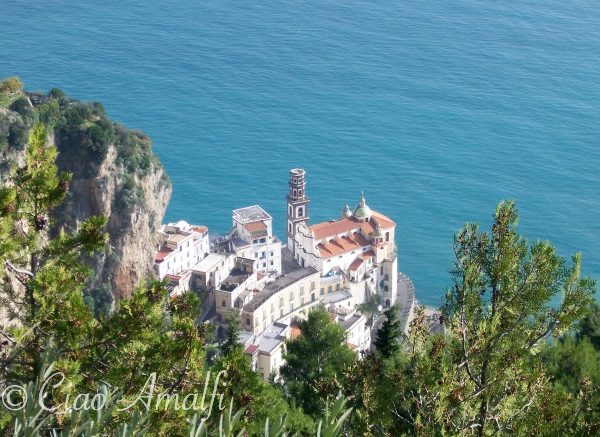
(250, 275)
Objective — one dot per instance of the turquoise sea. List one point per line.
(435, 109)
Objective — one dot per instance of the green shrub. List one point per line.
(22, 106)
(11, 85)
(130, 195)
(49, 113)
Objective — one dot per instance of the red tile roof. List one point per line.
(250, 349)
(161, 254)
(201, 229)
(335, 227)
(256, 226)
(356, 264)
(368, 254)
(341, 245)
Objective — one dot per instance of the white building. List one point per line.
(180, 246)
(266, 350)
(251, 236)
(212, 270)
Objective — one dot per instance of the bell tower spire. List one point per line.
(297, 204)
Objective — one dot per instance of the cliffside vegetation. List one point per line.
(114, 173)
(520, 354)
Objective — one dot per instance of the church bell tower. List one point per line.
(297, 205)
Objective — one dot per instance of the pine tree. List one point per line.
(43, 279)
(507, 299)
(387, 342)
(231, 341)
(315, 362)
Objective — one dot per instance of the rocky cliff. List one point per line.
(115, 173)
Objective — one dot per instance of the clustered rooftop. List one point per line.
(248, 274)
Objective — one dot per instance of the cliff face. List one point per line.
(100, 189)
(115, 174)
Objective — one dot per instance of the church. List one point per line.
(355, 251)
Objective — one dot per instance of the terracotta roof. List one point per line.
(250, 349)
(173, 277)
(335, 227)
(368, 254)
(161, 254)
(341, 245)
(200, 229)
(356, 264)
(255, 226)
(384, 220)
(331, 228)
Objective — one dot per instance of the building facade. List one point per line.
(180, 247)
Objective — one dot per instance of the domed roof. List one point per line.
(362, 211)
(346, 213)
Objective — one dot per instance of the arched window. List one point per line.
(290, 227)
(299, 193)
(294, 193)
(300, 212)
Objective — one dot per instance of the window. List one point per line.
(300, 193)
(290, 210)
(263, 240)
(248, 321)
(264, 265)
(294, 193)
(329, 289)
(300, 212)
(295, 180)
(255, 254)
(290, 227)
(337, 286)
(302, 290)
(387, 236)
(281, 312)
(313, 285)
(223, 304)
(271, 253)
(281, 301)
(322, 291)
(272, 263)
(381, 270)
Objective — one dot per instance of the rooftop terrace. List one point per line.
(250, 214)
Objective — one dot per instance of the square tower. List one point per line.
(297, 204)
